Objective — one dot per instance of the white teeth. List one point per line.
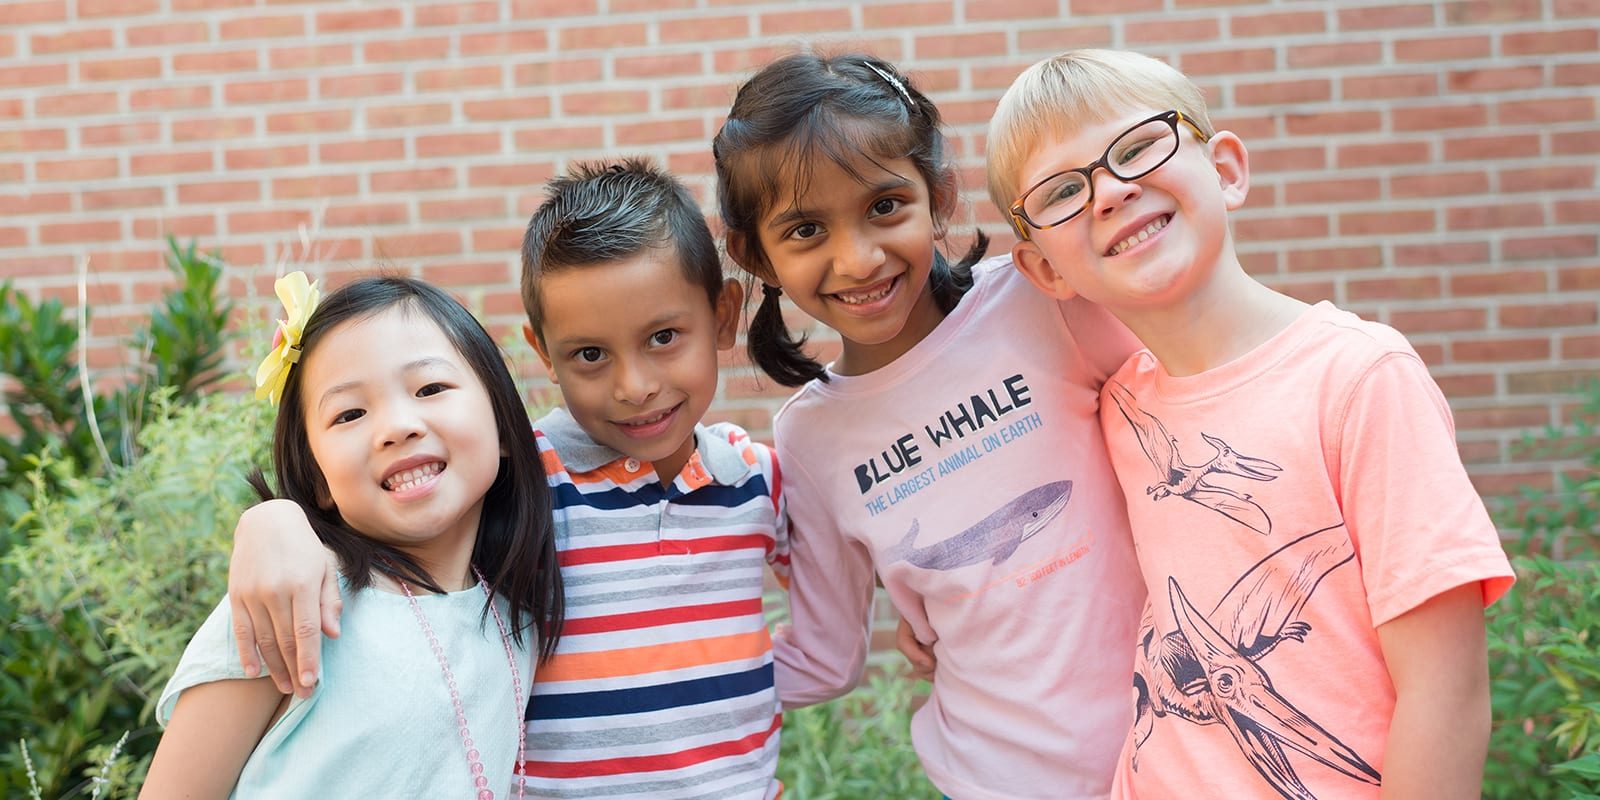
(1143, 234)
(412, 478)
(857, 299)
(652, 420)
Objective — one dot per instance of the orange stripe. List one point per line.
(654, 658)
(610, 472)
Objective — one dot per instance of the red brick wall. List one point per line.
(1428, 164)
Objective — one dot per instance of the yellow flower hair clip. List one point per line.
(299, 298)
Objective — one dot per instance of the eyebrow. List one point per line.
(652, 325)
(795, 213)
(409, 366)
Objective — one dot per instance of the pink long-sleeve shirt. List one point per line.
(972, 476)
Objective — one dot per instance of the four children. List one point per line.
(1318, 542)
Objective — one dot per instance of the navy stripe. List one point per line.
(578, 705)
(725, 496)
(567, 495)
(614, 499)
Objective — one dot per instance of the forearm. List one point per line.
(1437, 745)
(1439, 735)
(820, 656)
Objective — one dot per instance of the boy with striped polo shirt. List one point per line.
(662, 682)
(662, 685)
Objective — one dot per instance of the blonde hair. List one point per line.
(1056, 97)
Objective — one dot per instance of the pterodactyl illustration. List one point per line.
(992, 539)
(1189, 482)
(1206, 671)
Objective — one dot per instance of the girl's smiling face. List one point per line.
(854, 250)
(403, 433)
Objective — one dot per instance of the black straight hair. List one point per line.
(842, 108)
(515, 547)
(601, 212)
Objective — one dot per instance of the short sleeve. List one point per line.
(1419, 527)
(210, 656)
(779, 558)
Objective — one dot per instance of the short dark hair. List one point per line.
(804, 107)
(608, 211)
(515, 547)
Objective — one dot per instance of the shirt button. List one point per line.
(631, 465)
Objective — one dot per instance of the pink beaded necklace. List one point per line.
(474, 762)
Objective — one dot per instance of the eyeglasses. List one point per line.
(1135, 153)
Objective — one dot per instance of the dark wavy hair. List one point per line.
(515, 549)
(795, 110)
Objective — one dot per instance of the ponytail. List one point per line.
(950, 282)
(774, 350)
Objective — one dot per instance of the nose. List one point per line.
(636, 381)
(401, 423)
(1111, 193)
(858, 255)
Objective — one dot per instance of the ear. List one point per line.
(747, 256)
(1233, 167)
(942, 199)
(730, 301)
(1033, 265)
(324, 497)
(539, 347)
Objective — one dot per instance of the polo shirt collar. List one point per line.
(581, 453)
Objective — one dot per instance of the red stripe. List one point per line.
(661, 616)
(777, 479)
(658, 763)
(666, 547)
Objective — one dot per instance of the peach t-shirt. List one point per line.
(1283, 507)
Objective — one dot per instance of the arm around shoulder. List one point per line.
(284, 592)
(1103, 340)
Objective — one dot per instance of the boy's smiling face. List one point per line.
(1180, 209)
(633, 344)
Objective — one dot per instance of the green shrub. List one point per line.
(181, 349)
(117, 574)
(857, 747)
(1544, 637)
(65, 683)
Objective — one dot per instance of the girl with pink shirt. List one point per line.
(951, 447)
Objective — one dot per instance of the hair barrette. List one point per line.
(893, 81)
(299, 297)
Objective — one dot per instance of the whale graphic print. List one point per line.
(992, 539)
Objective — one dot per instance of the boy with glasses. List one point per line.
(1317, 561)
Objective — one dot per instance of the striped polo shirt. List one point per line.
(662, 684)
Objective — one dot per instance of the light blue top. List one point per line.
(380, 723)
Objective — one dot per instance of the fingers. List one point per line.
(332, 606)
(919, 655)
(306, 629)
(275, 640)
(244, 637)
